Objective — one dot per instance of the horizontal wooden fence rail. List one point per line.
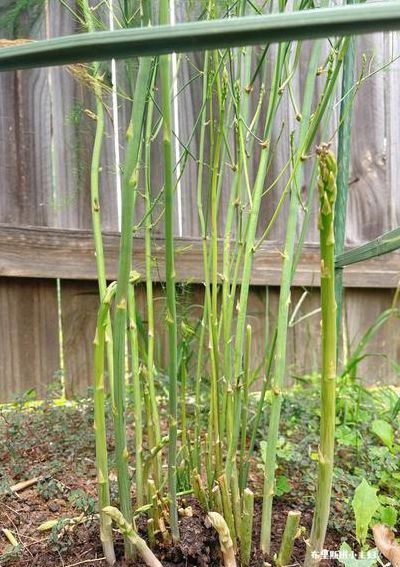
(34, 252)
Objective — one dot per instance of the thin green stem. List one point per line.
(170, 277)
(95, 169)
(103, 488)
(344, 153)
(248, 262)
(129, 187)
(246, 527)
(245, 411)
(283, 313)
(137, 396)
(152, 416)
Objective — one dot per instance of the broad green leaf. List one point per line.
(347, 557)
(388, 516)
(365, 503)
(346, 435)
(384, 431)
(282, 485)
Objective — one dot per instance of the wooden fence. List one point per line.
(46, 133)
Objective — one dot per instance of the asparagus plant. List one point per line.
(100, 426)
(288, 538)
(246, 527)
(127, 530)
(152, 414)
(219, 524)
(137, 390)
(129, 188)
(95, 169)
(327, 198)
(227, 84)
(170, 277)
(285, 295)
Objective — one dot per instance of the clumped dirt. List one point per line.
(59, 449)
(81, 545)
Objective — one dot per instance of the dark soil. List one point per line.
(81, 545)
(59, 449)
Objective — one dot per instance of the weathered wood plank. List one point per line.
(72, 134)
(25, 132)
(362, 307)
(79, 305)
(29, 346)
(69, 254)
(80, 302)
(369, 196)
(391, 77)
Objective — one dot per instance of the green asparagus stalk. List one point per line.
(236, 501)
(127, 530)
(100, 425)
(95, 195)
(245, 411)
(152, 414)
(170, 277)
(327, 194)
(227, 507)
(246, 527)
(198, 489)
(137, 397)
(217, 500)
(288, 538)
(225, 539)
(129, 187)
(306, 136)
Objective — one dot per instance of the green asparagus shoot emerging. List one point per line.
(327, 194)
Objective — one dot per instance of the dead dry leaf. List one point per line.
(387, 545)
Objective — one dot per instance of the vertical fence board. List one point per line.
(362, 308)
(79, 304)
(392, 126)
(368, 206)
(66, 114)
(29, 347)
(25, 134)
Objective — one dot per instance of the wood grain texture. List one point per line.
(72, 132)
(392, 126)
(368, 193)
(30, 351)
(69, 254)
(29, 347)
(384, 347)
(79, 305)
(25, 134)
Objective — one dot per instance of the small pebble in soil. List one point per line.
(53, 507)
